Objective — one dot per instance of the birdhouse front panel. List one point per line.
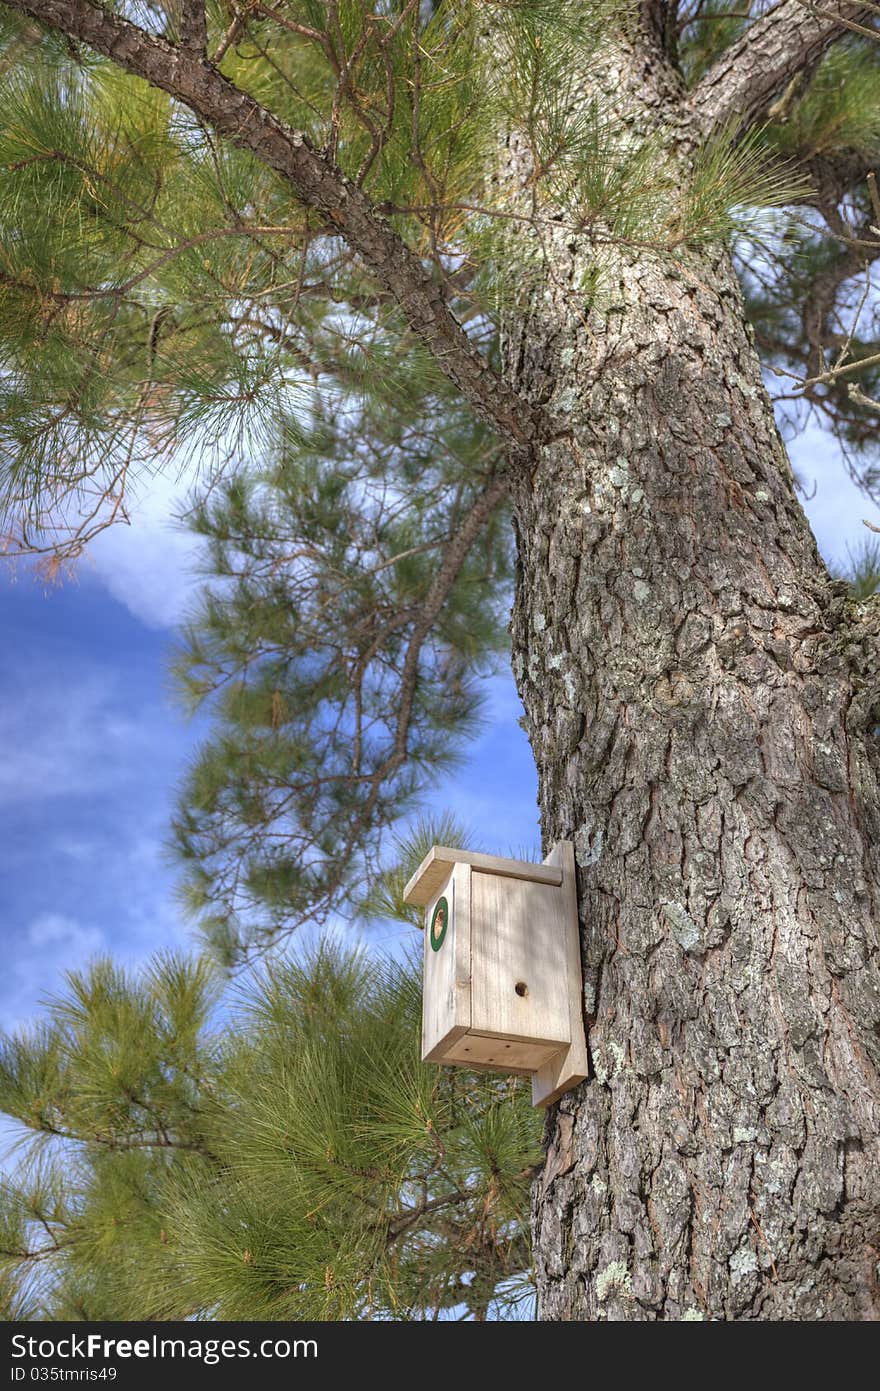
(446, 1009)
(502, 978)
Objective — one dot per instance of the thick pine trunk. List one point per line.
(702, 722)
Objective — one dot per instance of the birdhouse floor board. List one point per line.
(441, 1052)
(500, 1053)
(507, 1070)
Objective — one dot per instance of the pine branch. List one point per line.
(399, 657)
(819, 309)
(317, 182)
(455, 554)
(833, 175)
(192, 27)
(787, 42)
(403, 1222)
(120, 1144)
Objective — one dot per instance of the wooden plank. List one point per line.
(570, 1067)
(425, 884)
(499, 1054)
(446, 996)
(518, 960)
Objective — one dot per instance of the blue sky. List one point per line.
(93, 745)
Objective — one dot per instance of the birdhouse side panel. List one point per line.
(446, 1005)
(567, 1068)
(519, 969)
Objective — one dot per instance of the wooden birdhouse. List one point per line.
(502, 966)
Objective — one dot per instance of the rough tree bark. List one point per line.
(782, 47)
(699, 700)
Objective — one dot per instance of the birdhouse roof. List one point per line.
(440, 859)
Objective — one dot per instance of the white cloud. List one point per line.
(70, 738)
(150, 566)
(79, 849)
(142, 921)
(65, 934)
(41, 950)
(837, 508)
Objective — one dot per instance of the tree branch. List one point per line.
(192, 27)
(786, 43)
(318, 183)
(402, 1222)
(819, 306)
(833, 175)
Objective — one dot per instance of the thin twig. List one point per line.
(766, 1243)
(874, 195)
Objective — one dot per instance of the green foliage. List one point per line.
(118, 262)
(280, 1154)
(732, 179)
(838, 110)
(384, 897)
(861, 571)
(162, 293)
(334, 700)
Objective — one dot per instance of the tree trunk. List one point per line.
(701, 714)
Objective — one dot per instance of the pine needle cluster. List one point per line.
(338, 686)
(273, 1153)
(163, 294)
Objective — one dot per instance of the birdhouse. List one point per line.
(502, 967)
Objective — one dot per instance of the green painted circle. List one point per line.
(438, 929)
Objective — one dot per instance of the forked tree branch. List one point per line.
(787, 43)
(192, 27)
(318, 183)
